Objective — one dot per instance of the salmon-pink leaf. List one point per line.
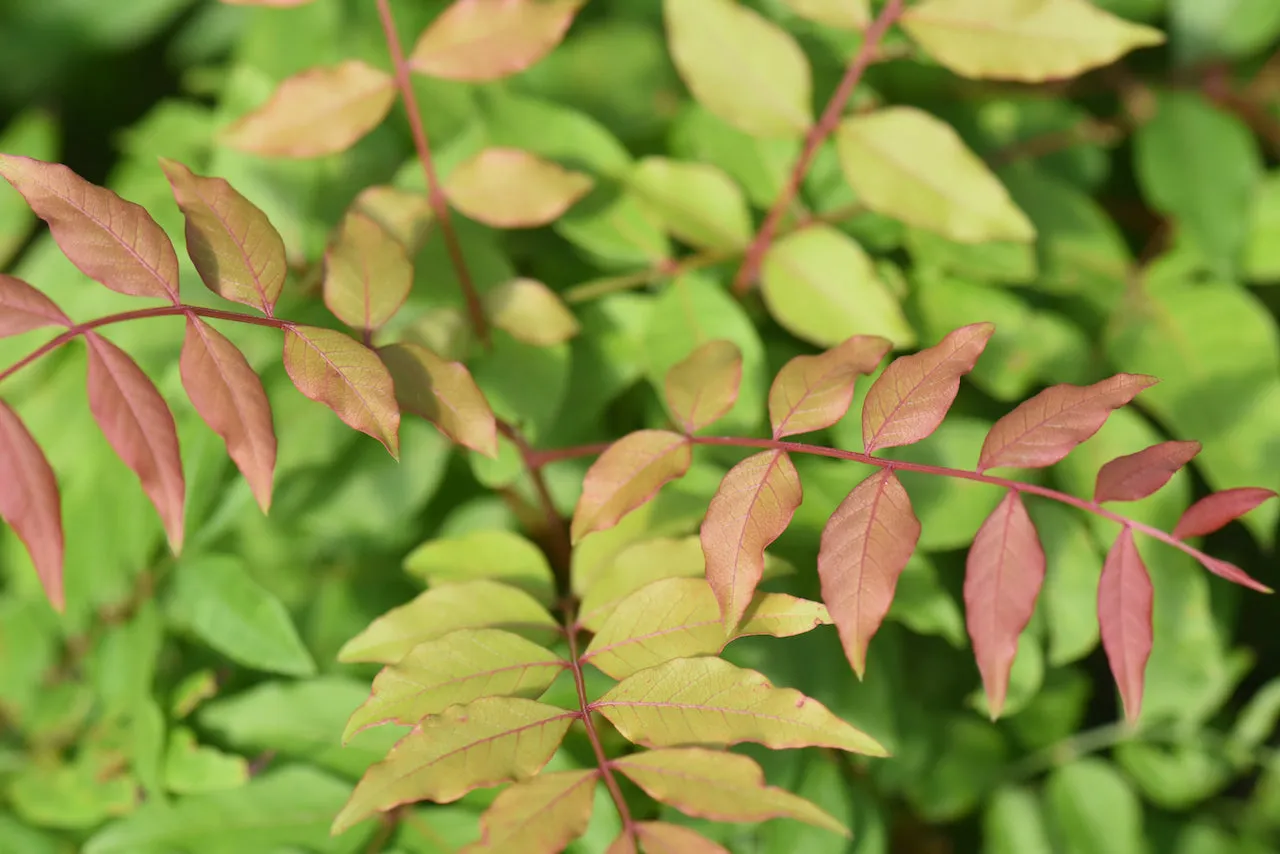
(660, 837)
(1214, 511)
(624, 843)
(1124, 619)
(1044, 429)
(1231, 572)
(703, 387)
(511, 188)
(367, 274)
(140, 428)
(1135, 476)
(538, 816)
(1003, 576)
(236, 250)
(29, 502)
(111, 241)
(345, 376)
(864, 548)
(316, 112)
(478, 40)
(23, 308)
(911, 398)
(530, 312)
(230, 398)
(813, 392)
(444, 393)
(753, 506)
(628, 475)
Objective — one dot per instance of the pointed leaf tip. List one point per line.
(1124, 619)
(1214, 511)
(23, 308)
(30, 504)
(1135, 476)
(512, 188)
(628, 475)
(703, 387)
(813, 392)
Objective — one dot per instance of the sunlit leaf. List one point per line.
(479, 40)
(486, 742)
(229, 397)
(367, 275)
(489, 553)
(29, 502)
(1124, 616)
(140, 428)
(635, 566)
(405, 215)
(444, 393)
(627, 475)
(440, 610)
(538, 816)
(813, 392)
(659, 837)
(908, 165)
(909, 400)
(702, 388)
(1214, 511)
(864, 548)
(1003, 576)
(345, 376)
(529, 311)
(1044, 429)
(316, 112)
(1136, 476)
(512, 188)
(751, 509)
(110, 240)
(235, 249)
(23, 308)
(740, 66)
(696, 202)
(461, 666)
(843, 14)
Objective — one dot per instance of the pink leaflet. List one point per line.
(1136, 476)
(23, 308)
(703, 387)
(29, 502)
(627, 475)
(1124, 618)
(1214, 511)
(813, 392)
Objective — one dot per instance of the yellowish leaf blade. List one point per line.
(529, 311)
(703, 387)
(628, 475)
(512, 188)
(634, 567)
(659, 837)
(625, 843)
(841, 14)
(444, 393)
(403, 214)
(492, 553)
(813, 392)
(696, 202)
(367, 275)
(478, 40)
(538, 816)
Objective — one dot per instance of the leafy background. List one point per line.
(211, 683)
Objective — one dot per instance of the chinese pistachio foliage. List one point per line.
(646, 420)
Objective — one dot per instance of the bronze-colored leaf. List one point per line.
(1136, 476)
(367, 275)
(23, 308)
(512, 188)
(813, 392)
(659, 837)
(1124, 618)
(627, 475)
(538, 816)
(444, 393)
(478, 40)
(29, 502)
(703, 387)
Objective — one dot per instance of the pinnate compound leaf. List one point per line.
(1124, 618)
(910, 399)
(910, 166)
(538, 816)
(530, 312)
(628, 475)
(23, 308)
(29, 502)
(660, 837)
(110, 240)
(490, 553)
(485, 742)
(1136, 476)
(444, 393)
(460, 667)
(316, 112)
(841, 14)
(139, 426)
(512, 188)
(1019, 40)
(699, 701)
(703, 387)
(753, 506)
(1041, 431)
(367, 274)
(236, 250)
(718, 786)
(813, 392)
(345, 376)
(440, 610)
(1214, 511)
(229, 397)
(740, 66)
(696, 202)
(864, 548)
(478, 40)
(1003, 575)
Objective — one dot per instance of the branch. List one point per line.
(558, 546)
(817, 134)
(435, 195)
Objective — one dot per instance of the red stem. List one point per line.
(435, 195)
(816, 136)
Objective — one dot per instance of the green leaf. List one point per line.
(616, 229)
(15, 836)
(530, 312)
(1091, 810)
(760, 166)
(525, 385)
(512, 188)
(1013, 824)
(696, 202)
(192, 768)
(491, 553)
(553, 130)
(1228, 29)
(741, 67)
(1177, 776)
(628, 475)
(821, 287)
(922, 604)
(1070, 595)
(908, 165)
(1000, 262)
(435, 613)
(539, 815)
(1262, 248)
(79, 796)
(33, 133)
(483, 743)
(444, 393)
(1257, 720)
(216, 599)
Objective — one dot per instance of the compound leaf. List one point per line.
(478, 40)
(29, 502)
(530, 312)
(444, 393)
(512, 188)
(367, 274)
(23, 308)
(628, 475)
(1124, 617)
(538, 816)
(1212, 512)
(702, 387)
(1136, 476)
(490, 553)
(696, 202)
(813, 392)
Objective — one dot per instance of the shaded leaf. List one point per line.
(110, 240)
(691, 701)
(864, 548)
(440, 610)
(538, 816)
(367, 275)
(29, 502)
(1136, 476)
(1003, 575)
(489, 553)
(1214, 511)
(696, 202)
(236, 250)
(444, 393)
(628, 475)
(23, 308)
(1124, 617)
(316, 112)
(479, 40)
(139, 426)
(229, 397)
(1092, 809)
(190, 767)
(512, 188)
(659, 837)
(910, 399)
(751, 509)
(702, 387)
(403, 214)
(529, 311)
(842, 14)
(345, 376)
(813, 392)
(1044, 429)
(481, 744)
(719, 786)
